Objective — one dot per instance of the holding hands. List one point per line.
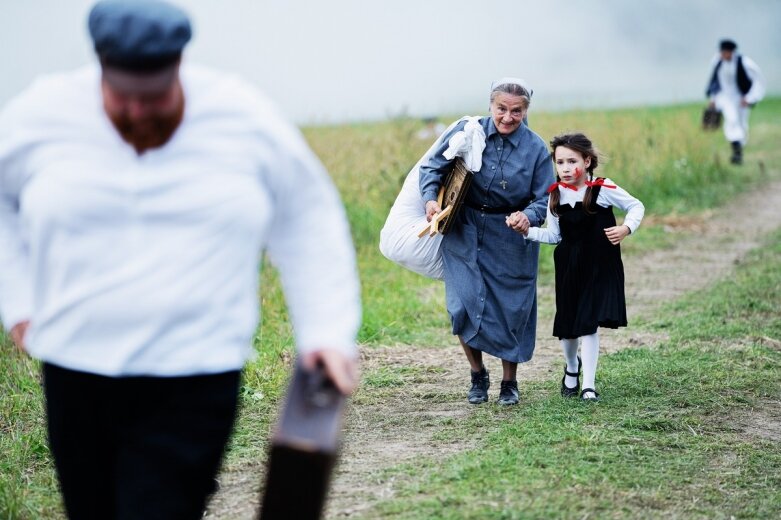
(518, 222)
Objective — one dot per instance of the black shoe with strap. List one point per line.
(480, 384)
(566, 391)
(589, 390)
(509, 395)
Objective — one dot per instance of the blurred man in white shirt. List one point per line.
(736, 85)
(136, 199)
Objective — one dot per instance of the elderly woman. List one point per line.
(490, 270)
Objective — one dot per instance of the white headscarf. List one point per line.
(512, 81)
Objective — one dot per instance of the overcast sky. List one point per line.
(342, 60)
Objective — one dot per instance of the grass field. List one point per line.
(651, 450)
(681, 435)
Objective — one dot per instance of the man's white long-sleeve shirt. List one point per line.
(607, 197)
(149, 264)
(728, 83)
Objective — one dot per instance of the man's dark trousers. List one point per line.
(138, 447)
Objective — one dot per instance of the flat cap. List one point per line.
(138, 35)
(727, 45)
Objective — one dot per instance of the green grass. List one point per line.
(668, 439)
(659, 154)
(28, 487)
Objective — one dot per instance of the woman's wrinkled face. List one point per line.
(508, 112)
(571, 165)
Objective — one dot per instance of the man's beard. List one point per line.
(152, 132)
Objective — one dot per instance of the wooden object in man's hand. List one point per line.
(304, 448)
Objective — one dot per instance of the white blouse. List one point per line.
(607, 197)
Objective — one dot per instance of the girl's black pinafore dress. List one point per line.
(589, 272)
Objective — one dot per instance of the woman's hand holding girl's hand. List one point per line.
(617, 233)
(432, 208)
(519, 222)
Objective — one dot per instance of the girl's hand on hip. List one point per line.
(616, 234)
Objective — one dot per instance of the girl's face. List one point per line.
(571, 166)
(507, 112)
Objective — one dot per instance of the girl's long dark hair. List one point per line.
(579, 143)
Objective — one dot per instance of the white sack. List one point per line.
(399, 240)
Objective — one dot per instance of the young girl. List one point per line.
(589, 272)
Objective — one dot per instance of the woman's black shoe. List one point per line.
(565, 390)
(480, 384)
(509, 393)
(586, 391)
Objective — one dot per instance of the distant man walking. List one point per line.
(136, 198)
(736, 84)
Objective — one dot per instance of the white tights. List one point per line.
(589, 353)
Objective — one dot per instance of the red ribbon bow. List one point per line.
(563, 185)
(599, 182)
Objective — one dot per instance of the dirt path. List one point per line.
(404, 423)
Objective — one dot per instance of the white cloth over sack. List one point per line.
(399, 240)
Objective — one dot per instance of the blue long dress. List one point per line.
(490, 270)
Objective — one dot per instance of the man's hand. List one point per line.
(432, 208)
(340, 369)
(617, 233)
(18, 332)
